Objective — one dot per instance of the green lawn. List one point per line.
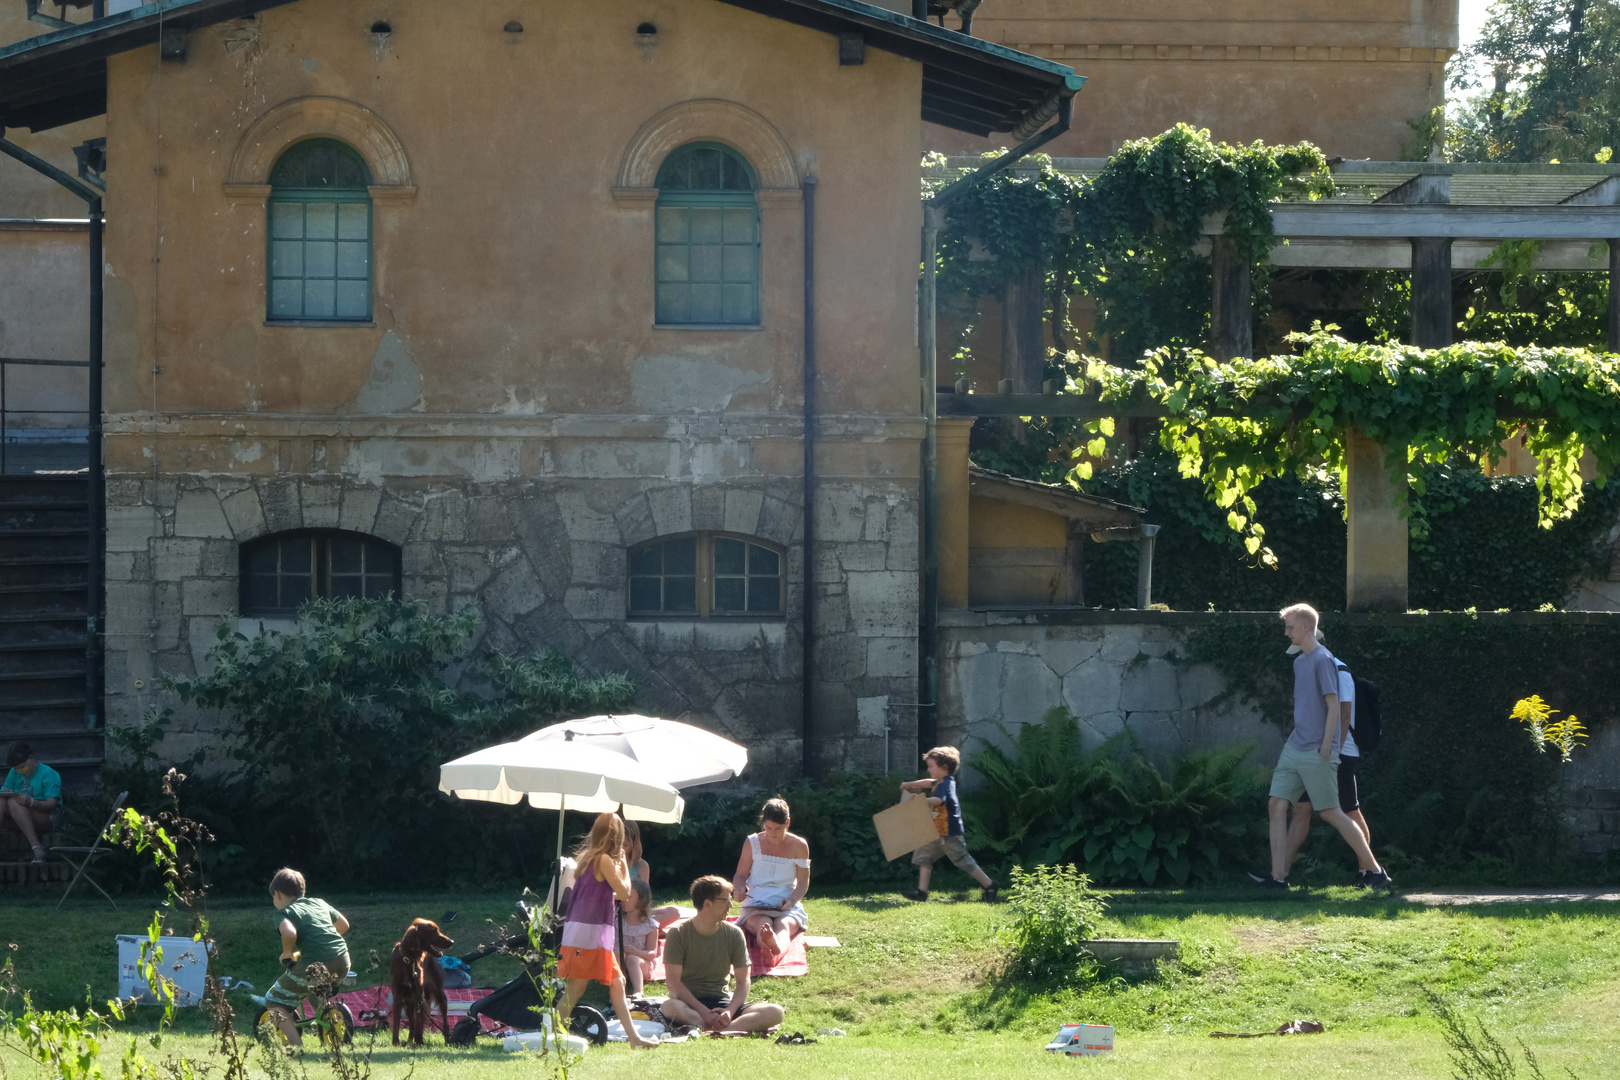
(917, 987)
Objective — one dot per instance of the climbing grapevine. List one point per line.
(1234, 424)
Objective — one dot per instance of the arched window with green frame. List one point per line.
(320, 235)
(707, 238)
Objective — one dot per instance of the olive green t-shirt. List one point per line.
(705, 960)
(318, 939)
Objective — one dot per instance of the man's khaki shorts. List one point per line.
(1299, 771)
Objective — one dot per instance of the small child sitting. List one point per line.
(311, 934)
(640, 937)
(942, 763)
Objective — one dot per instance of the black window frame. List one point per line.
(320, 567)
(707, 578)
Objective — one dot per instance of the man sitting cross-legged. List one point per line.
(699, 954)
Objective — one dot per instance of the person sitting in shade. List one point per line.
(29, 797)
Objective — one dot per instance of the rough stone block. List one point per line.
(581, 520)
(123, 491)
(709, 507)
(396, 518)
(514, 592)
(882, 603)
(322, 504)
(840, 514)
(131, 528)
(432, 591)
(358, 510)
(862, 555)
(872, 715)
(445, 517)
(200, 514)
(220, 558)
(487, 520)
(119, 566)
(671, 509)
(1028, 689)
(598, 564)
(162, 493)
(419, 557)
(282, 508)
(1150, 686)
(129, 605)
(1064, 650)
(781, 522)
(543, 534)
(742, 508)
(891, 658)
(635, 520)
(592, 602)
(839, 657)
(245, 513)
(208, 596)
(467, 570)
(1199, 685)
(1093, 688)
(176, 559)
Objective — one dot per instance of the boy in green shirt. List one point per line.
(311, 933)
(31, 793)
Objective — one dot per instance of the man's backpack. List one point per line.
(1368, 726)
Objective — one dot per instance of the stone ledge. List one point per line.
(1052, 615)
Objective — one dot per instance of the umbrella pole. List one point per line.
(562, 810)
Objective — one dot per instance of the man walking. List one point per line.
(1310, 757)
(1299, 821)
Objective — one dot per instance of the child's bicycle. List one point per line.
(332, 1024)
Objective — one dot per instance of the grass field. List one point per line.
(918, 987)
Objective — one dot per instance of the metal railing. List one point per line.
(7, 432)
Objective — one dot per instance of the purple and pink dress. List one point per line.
(588, 940)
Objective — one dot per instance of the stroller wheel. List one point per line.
(589, 1024)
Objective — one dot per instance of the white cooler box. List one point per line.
(184, 962)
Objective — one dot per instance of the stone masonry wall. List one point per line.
(1009, 667)
(545, 561)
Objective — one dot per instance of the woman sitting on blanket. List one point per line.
(772, 877)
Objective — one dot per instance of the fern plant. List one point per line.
(1111, 810)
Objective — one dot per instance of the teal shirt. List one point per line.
(46, 783)
(318, 939)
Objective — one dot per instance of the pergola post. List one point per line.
(1613, 343)
(1231, 317)
(1376, 537)
(1431, 292)
(1023, 331)
(952, 441)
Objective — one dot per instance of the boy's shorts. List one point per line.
(955, 847)
(1299, 771)
(294, 986)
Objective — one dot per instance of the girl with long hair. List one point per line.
(588, 938)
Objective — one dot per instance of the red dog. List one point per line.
(418, 980)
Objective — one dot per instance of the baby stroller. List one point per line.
(518, 1004)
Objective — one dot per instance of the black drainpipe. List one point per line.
(807, 613)
(97, 479)
(1059, 104)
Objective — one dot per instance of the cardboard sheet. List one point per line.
(904, 828)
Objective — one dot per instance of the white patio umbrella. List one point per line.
(562, 775)
(680, 754)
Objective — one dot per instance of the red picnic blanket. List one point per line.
(373, 1004)
(790, 965)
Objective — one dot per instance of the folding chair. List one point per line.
(89, 853)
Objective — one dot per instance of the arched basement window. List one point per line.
(320, 235)
(707, 238)
(282, 571)
(704, 575)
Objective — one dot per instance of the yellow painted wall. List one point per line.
(1016, 554)
(514, 284)
(1345, 76)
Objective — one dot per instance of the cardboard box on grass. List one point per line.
(1082, 1040)
(905, 827)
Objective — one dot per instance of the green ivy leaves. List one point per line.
(1235, 424)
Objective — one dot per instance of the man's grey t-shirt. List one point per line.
(1316, 675)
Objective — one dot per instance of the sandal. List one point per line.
(795, 1039)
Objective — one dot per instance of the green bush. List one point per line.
(1112, 810)
(1053, 910)
(332, 736)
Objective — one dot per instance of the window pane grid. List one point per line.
(705, 575)
(320, 258)
(706, 243)
(280, 573)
